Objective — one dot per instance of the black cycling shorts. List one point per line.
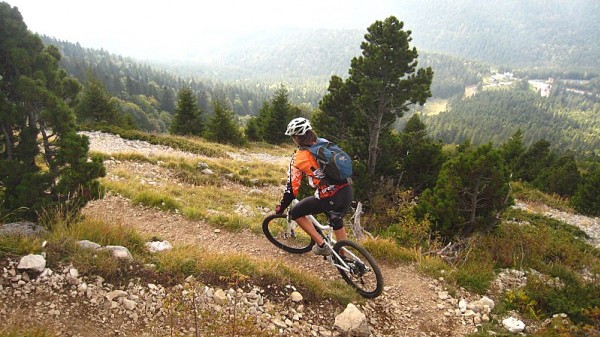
(335, 207)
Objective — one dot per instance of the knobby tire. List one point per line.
(365, 276)
(274, 227)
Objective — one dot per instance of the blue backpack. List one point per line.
(335, 164)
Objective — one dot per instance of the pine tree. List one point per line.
(419, 156)
(187, 119)
(587, 197)
(384, 82)
(537, 157)
(512, 150)
(561, 177)
(336, 119)
(471, 189)
(96, 106)
(36, 112)
(280, 112)
(252, 131)
(222, 127)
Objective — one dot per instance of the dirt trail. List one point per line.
(409, 306)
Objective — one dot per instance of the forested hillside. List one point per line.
(536, 33)
(567, 120)
(546, 41)
(132, 80)
(550, 34)
(303, 62)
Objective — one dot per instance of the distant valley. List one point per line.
(466, 44)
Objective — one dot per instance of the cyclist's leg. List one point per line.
(306, 206)
(339, 205)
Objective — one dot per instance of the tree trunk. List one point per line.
(9, 146)
(374, 131)
(472, 210)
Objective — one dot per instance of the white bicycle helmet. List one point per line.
(298, 127)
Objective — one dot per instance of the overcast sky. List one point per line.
(155, 29)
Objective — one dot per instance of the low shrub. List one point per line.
(476, 275)
(570, 296)
(156, 199)
(387, 250)
(18, 245)
(524, 191)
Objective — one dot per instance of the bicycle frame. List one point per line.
(356, 266)
(326, 231)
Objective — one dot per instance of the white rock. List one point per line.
(36, 263)
(352, 322)
(513, 325)
(87, 244)
(158, 246)
(82, 287)
(116, 294)
(279, 323)
(128, 304)
(118, 252)
(462, 305)
(21, 228)
(296, 297)
(487, 301)
(220, 297)
(443, 295)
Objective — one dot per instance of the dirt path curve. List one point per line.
(409, 306)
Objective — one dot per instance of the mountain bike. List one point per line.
(354, 263)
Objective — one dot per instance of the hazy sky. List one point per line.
(154, 29)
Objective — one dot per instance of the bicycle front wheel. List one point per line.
(359, 269)
(286, 235)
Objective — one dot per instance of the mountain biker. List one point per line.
(333, 199)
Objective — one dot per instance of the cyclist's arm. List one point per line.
(288, 197)
(289, 193)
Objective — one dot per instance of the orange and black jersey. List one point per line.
(303, 163)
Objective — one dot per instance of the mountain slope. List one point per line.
(547, 34)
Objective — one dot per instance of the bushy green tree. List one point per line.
(36, 112)
(512, 150)
(587, 196)
(359, 113)
(273, 118)
(383, 83)
(222, 127)
(97, 107)
(253, 131)
(561, 177)
(187, 119)
(336, 120)
(471, 189)
(534, 160)
(420, 157)
(279, 113)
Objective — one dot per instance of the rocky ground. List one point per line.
(86, 305)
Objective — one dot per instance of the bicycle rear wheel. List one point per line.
(286, 235)
(359, 269)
